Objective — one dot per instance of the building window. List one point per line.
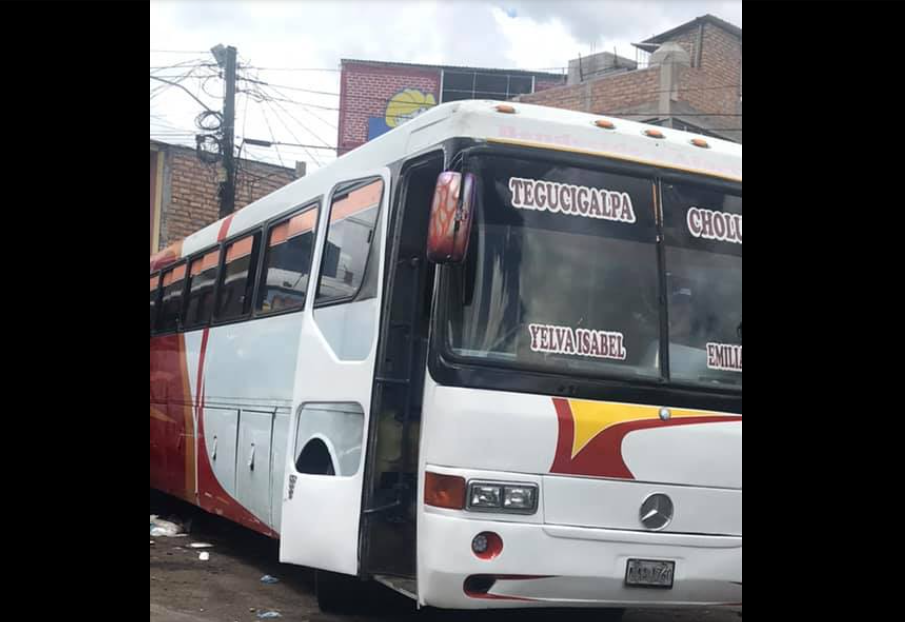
(459, 85)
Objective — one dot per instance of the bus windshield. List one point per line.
(564, 275)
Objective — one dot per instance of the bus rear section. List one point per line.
(581, 439)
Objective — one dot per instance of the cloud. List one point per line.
(525, 34)
(635, 20)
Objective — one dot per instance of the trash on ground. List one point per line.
(164, 529)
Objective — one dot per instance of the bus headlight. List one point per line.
(485, 497)
(503, 498)
(522, 499)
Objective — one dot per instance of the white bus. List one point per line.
(492, 359)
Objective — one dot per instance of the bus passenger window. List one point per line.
(171, 303)
(155, 281)
(353, 218)
(287, 265)
(237, 279)
(203, 276)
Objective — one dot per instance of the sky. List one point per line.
(296, 47)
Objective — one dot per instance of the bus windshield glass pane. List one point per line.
(563, 276)
(704, 280)
(561, 273)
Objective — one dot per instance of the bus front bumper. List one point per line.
(553, 566)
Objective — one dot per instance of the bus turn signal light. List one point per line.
(444, 491)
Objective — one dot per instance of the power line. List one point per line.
(282, 144)
(179, 51)
(272, 136)
(349, 96)
(265, 97)
(289, 88)
(171, 129)
(298, 103)
(605, 114)
(303, 125)
(319, 118)
(192, 62)
(188, 92)
(291, 133)
(296, 153)
(258, 93)
(452, 69)
(295, 69)
(157, 91)
(302, 105)
(477, 73)
(165, 124)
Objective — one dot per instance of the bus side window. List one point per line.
(171, 302)
(353, 218)
(287, 263)
(202, 277)
(155, 283)
(237, 279)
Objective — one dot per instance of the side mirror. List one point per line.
(451, 218)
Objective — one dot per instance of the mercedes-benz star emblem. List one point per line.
(657, 512)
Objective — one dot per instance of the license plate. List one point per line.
(647, 573)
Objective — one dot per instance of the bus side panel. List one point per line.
(172, 428)
(246, 375)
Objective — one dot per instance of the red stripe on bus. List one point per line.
(224, 228)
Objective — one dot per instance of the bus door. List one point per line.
(389, 524)
(325, 456)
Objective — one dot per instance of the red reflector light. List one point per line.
(444, 491)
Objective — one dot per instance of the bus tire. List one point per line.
(337, 593)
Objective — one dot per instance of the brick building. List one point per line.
(185, 190)
(377, 96)
(692, 81)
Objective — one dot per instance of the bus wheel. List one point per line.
(337, 593)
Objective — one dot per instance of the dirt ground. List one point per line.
(228, 587)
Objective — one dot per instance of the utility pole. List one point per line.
(227, 59)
